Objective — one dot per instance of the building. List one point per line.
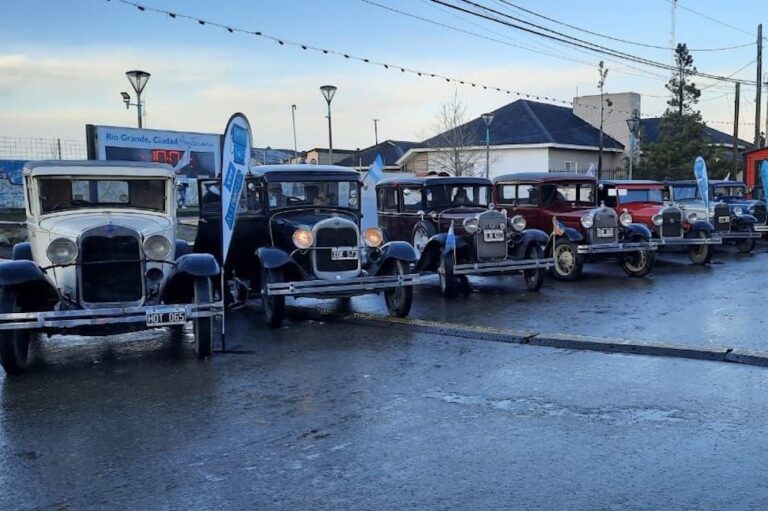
(320, 156)
(389, 150)
(525, 136)
(269, 156)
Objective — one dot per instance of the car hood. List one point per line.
(73, 225)
(283, 225)
(642, 212)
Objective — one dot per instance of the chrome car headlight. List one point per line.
(693, 217)
(62, 251)
(470, 225)
(157, 247)
(657, 219)
(588, 220)
(303, 238)
(738, 211)
(373, 237)
(518, 223)
(625, 219)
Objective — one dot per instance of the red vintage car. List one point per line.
(564, 204)
(644, 200)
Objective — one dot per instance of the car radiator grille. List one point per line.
(116, 275)
(491, 220)
(604, 219)
(722, 211)
(325, 239)
(760, 213)
(672, 223)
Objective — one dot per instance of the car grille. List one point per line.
(111, 269)
(672, 223)
(760, 213)
(722, 211)
(493, 249)
(325, 238)
(604, 218)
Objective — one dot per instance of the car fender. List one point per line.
(638, 230)
(22, 252)
(275, 258)
(34, 290)
(436, 247)
(392, 251)
(529, 236)
(182, 248)
(744, 219)
(698, 226)
(197, 265)
(179, 286)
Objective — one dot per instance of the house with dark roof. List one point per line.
(649, 132)
(524, 136)
(389, 150)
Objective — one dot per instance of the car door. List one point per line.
(208, 236)
(387, 202)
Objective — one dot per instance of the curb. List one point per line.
(552, 340)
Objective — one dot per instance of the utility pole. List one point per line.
(601, 84)
(376, 130)
(759, 78)
(736, 132)
(295, 147)
(766, 111)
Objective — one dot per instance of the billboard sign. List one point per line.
(11, 181)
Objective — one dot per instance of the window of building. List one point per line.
(571, 166)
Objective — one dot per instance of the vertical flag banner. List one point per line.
(764, 178)
(700, 171)
(235, 162)
(591, 170)
(368, 195)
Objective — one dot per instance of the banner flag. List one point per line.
(764, 178)
(700, 171)
(235, 163)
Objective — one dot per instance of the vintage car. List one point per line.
(457, 232)
(298, 234)
(102, 258)
(563, 205)
(736, 220)
(644, 200)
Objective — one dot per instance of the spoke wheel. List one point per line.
(420, 239)
(746, 245)
(639, 263)
(568, 263)
(701, 254)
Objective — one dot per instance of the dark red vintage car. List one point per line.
(564, 204)
(644, 200)
(456, 233)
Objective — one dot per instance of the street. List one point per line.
(335, 416)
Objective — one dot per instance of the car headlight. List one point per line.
(588, 220)
(751, 209)
(157, 247)
(625, 219)
(657, 219)
(693, 217)
(62, 251)
(738, 211)
(373, 237)
(518, 223)
(470, 225)
(303, 238)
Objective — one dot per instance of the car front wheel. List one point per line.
(534, 278)
(746, 245)
(399, 299)
(639, 263)
(701, 254)
(14, 344)
(203, 326)
(568, 263)
(274, 306)
(449, 284)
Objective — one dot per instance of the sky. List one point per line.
(63, 63)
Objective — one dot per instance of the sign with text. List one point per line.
(235, 161)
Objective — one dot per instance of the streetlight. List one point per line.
(295, 147)
(328, 92)
(376, 130)
(487, 119)
(138, 81)
(633, 123)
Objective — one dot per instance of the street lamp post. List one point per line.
(295, 147)
(138, 81)
(633, 123)
(487, 119)
(328, 92)
(376, 131)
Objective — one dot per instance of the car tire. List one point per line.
(399, 299)
(748, 245)
(568, 262)
(638, 263)
(448, 282)
(203, 326)
(533, 278)
(273, 306)
(14, 344)
(701, 254)
(422, 232)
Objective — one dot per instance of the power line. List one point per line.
(604, 36)
(710, 18)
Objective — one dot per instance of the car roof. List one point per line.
(435, 181)
(545, 177)
(96, 168)
(301, 171)
(713, 182)
(627, 182)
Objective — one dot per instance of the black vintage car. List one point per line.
(298, 234)
(456, 231)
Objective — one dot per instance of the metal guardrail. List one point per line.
(502, 266)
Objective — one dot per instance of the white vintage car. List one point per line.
(102, 258)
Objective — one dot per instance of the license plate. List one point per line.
(344, 253)
(493, 235)
(723, 219)
(166, 318)
(605, 232)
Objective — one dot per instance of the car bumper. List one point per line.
(609, 248)
(64, 319)
(683, 242)
(506, 266)
(738, 235)
(358, 285)
(761, 228)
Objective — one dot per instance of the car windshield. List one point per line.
(61, 194)
(649, 195)
(728, 191)
(457, 195)
(342, 194)
(582, 194)
(686, 192)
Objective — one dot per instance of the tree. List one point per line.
(682, 136)
(454, 134)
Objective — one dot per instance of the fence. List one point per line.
(29, 148)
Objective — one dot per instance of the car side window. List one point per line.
(387, 199)
(526, 195)
(412, 199)
(250, 200)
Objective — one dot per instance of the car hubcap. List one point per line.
(420, 241)
(565, 260)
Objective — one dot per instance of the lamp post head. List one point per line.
(138, 79)
(487, 119)
(126, 99)
(633, 123)
(328, 92)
